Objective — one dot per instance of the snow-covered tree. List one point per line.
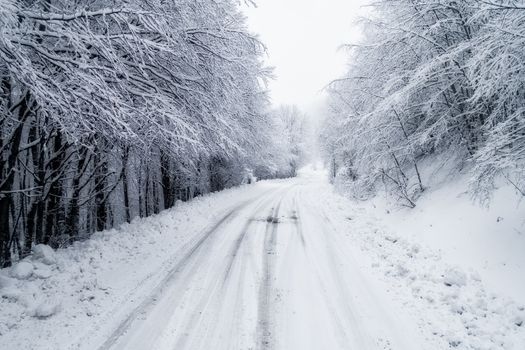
(497, 66)
(429, 77)
(112, 109)
(293, 127)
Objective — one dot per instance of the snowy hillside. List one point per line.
(451, 240)
(490, 240)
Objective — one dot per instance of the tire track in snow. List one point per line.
(328, 300)
(335, 243)
(265, 339)
(211, 300)
(296, 218)
(148, 303)
(349, 326)
(239, 306)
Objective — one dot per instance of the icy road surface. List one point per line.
(272, 273)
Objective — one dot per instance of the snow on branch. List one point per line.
(43, 16)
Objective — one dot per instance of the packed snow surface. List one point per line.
(283, 264)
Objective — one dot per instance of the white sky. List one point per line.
(303, 38)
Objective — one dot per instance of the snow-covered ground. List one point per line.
(489, 240)
(284, 264)
(462, 262)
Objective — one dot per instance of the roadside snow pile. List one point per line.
(36, 266)
(454, 277)
(44, 253)
(47, 308)
(23, 270)
(450, 302)
(489, 240)
(27, 273)
(58, 300)
(454, 303)
(5, 282)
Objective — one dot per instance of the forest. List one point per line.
(262, 174)
(111, 110)
(431, 78)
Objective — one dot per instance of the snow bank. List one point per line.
(5, 282)
(35, 266)
(23, 270)
(44, 253)
(47, 308)
(457, 266)
(454, 277)
(448, 296)
(489, 240)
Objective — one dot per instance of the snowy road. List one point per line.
(272, 273)
(282, 264)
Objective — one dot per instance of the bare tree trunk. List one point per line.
(405, 133)
(167, 181)
(33, 231)
(155, 195)
(141, 193)
(54, 213)
(100, 203)
(73, 214)
(7, 181)
(125, 189)
(5, 254)
(146, 193)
